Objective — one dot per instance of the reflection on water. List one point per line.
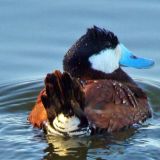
(24, 142)
(66, 148)
(87, 147)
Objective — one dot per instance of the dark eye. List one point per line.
(134, 57)
(108, 44)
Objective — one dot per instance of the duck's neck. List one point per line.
(118, 75)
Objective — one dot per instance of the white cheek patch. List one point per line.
(66, 124)
(63, 125)
(106, 61)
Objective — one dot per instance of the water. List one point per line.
(20, 141)
(34, 36)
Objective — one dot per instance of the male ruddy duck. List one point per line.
(93, 95)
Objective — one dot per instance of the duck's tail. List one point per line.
(64, 96)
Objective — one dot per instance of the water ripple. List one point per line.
(22, 141)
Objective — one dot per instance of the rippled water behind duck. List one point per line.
(34, 37)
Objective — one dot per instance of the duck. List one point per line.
(93, 95)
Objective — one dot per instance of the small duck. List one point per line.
(93, 95)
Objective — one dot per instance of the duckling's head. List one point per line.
(100, 51)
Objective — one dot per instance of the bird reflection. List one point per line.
(66, 148)
(94, 147)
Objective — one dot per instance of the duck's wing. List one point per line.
(112, 105)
